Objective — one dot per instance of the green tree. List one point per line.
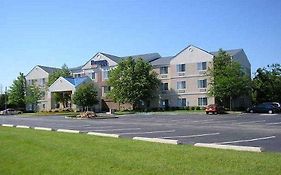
(267, 84)
(3, 100)
(17, 92)
(62, 97)
(33, 94)
(133, 81)
(228, 80)
(63, 72)
(86, 95)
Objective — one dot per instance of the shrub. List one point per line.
(192, 108)
(187, 108)
(198, 108)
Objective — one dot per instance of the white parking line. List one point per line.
(191, 136)
(122, 129)
(249, 140)
(259, 121)
(277, 123)
(268, 114)
(148, 132)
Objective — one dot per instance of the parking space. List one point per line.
(241, 129)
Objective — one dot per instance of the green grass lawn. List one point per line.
(26, 151)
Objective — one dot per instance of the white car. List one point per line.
(10, 111)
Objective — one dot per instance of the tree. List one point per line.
(267, 84)
(133, 81)
(17, 92)
(62, 97)
(63, 72)
(3, 101)
(86, 95)
(228, 80)
(33, 94)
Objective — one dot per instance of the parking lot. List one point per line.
(258, 130)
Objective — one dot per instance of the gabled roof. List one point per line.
(230, 52)
(75, 69)
(162, 61)
(48, 69)
(112, 57)
(77, 81)
(192, 46)
(147, 57)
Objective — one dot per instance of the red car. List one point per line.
(214, 109)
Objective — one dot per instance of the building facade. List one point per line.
(183, 78)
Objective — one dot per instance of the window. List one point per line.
(105, 74)
(202, 83)
(93, 75)
(202, 101)
(180, 67)
(42, 81)
(164, 70)
(202, 66)
(164, 103)
(164, 87)
(181, 102)
(181, 85)
(106, 89)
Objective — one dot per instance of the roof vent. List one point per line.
(190, 49)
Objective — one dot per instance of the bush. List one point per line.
(198, 108)
(187, 108)
(192, 108)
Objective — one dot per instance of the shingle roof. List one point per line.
(230, 52)
(147, 57)
(77, 81)
(48, 69)
(162, 61)
(76, 69)
(112, 57)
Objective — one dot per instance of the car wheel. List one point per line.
(270, 112)
(207, 112)
(251, 111)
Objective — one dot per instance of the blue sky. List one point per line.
(52, 33)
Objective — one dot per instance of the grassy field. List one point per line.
(26, 151)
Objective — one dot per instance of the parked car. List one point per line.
(10, 111)
(214, 109)
(274, 104)
(263, 108)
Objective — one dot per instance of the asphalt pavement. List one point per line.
(257, 130)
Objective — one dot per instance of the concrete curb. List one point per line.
(103, 134)
(230, 147)
(8, 125)
(157, 140)
(68, 131)
(23, 126)
(43, 129)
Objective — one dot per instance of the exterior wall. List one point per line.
(38, 77)
(190, 57)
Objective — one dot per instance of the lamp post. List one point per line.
(6, 98)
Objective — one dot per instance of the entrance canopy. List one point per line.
(68, 84)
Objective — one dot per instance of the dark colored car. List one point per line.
(274, 104)
(214, 109)
(263, 108)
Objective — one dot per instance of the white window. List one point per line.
(202, 66)
(93, 75)
(181, 85)
(105, 74)
(202, 83)
(164, 87)
(181, 102)
(164, 70)
(180, 67)
(202, 101)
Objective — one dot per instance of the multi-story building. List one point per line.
(183, 78)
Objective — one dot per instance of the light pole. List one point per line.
(5, 99)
